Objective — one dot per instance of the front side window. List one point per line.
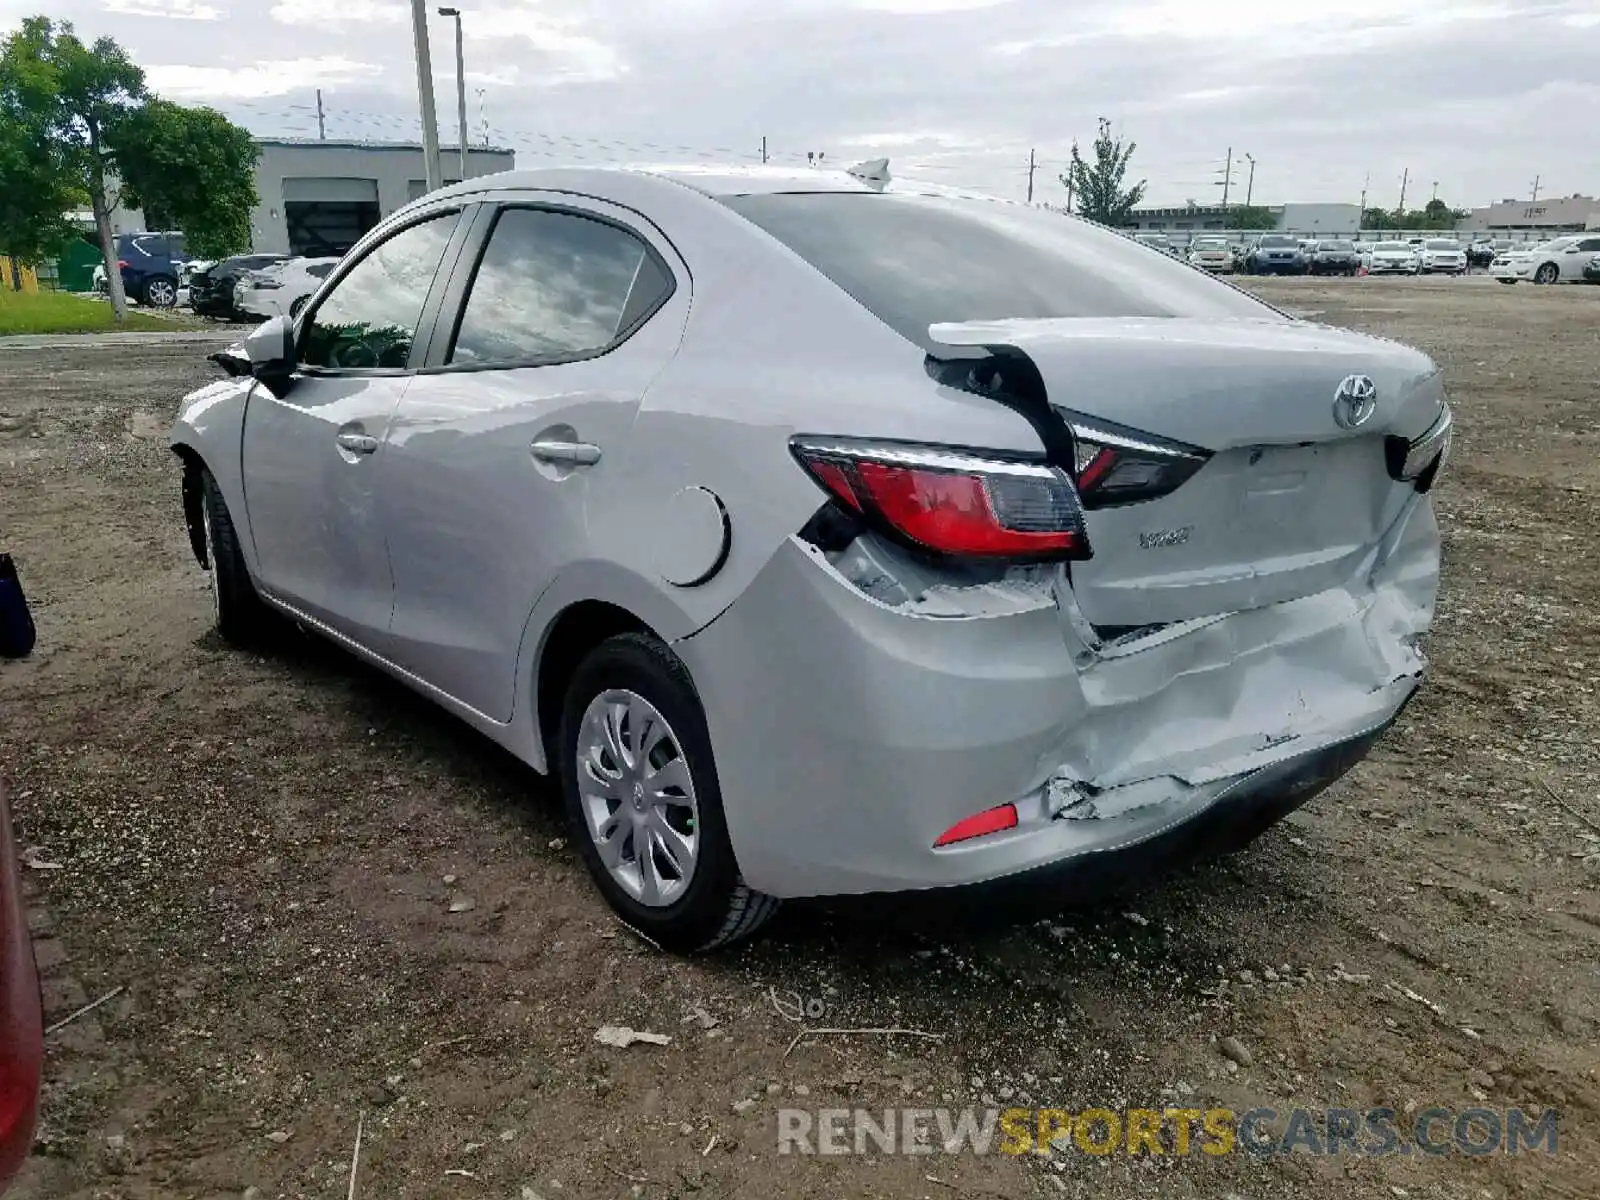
(370, 318)
(556, 285)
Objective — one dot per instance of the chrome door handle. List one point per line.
(358, 443)
(573, 454)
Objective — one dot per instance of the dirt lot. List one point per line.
(271, 854)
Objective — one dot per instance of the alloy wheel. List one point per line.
(161, 294)
(638, 798)
(1546, 274)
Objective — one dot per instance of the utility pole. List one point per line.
(1535, 199)
(483, 116)
(1227, 178)
(1435, 191)
(1250, 187)
(461, 87)
(1400, 213)
(1361, 216)
(430, 118)
(1031, 168)
(322, 133)
(1067, 178)
(763, 150)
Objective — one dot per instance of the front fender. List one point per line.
(210, 427)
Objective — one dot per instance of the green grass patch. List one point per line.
(59, 312)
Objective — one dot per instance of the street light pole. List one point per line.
(430, 118)
(461, 86)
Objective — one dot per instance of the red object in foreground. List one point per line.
(21, 1018)
(991, 820)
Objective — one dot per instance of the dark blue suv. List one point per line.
(149, 264)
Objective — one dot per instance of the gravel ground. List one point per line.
(330, 903)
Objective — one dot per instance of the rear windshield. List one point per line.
(1337, 246)
(1280, 242)
(1442, 244)
(914, 261)
(1393, 246)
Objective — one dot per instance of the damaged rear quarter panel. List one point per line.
(875, 727)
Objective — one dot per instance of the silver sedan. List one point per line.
(827, 535)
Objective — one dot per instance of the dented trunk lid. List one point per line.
(1291, 501)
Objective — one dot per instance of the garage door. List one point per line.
(327, 216)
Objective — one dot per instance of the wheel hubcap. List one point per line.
(211, 559)
(161, 293)
(638, 798)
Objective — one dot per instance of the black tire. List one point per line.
(1509, 281)
(241, 617)
(160, 292)
(1547, 273)
(718, 908)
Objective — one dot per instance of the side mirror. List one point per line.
(270, 349)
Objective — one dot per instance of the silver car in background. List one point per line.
(1213, 253)
(827, 536)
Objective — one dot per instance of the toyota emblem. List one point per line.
(1355, 401)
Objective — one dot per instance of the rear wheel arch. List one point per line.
(576, 631)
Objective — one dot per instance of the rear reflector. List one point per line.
(991, 820)
(952, 501)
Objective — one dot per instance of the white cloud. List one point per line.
(575, 57)
(177, 10)
(258, 79)
(338, 12)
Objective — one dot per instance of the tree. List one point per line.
(93, 120)
(73, 93)
(1098, 187)
(1251, 216)
(35, 195)
(194, 168)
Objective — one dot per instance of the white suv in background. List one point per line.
(1442, 256)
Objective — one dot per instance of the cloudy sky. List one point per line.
(1479, 95)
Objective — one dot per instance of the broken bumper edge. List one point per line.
(1237, 812)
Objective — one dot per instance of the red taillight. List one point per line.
(991, 820)
(122, 264)
(952, 501)
(1117, 465)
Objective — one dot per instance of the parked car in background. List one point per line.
(1156, 241)
(21, 1015)
(151, 266)
(1394, 258)
(1591, 273)
(1481, 253)
(1441, 256)
(1213, 253)
(1560, 260)
(1336, 257)
(280, 289)
(829, 643)
(211, 289)
(1275, 254)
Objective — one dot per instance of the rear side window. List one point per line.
(320, 270)
(554, 286)
(914, 261)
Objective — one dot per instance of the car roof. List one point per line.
(709, 179)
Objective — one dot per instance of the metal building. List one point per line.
(317, 197)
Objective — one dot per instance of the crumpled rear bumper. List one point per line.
(849, 734)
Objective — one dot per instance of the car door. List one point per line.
(564, 313)
(311, 456)
(1576, 257)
